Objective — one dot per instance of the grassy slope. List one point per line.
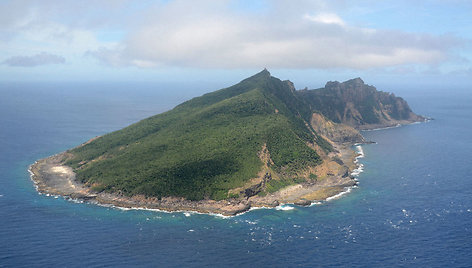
(205, 146)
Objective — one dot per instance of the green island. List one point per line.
(258, 143)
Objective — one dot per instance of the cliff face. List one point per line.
(334, 132)
(359, 105)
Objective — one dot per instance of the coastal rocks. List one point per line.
(82, 196)
(257, 188)
(303, 202)
(235, 209)
(50, 177)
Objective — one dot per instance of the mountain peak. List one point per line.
(263, 73)
(355, 81)
(352, 82)
(260, 76)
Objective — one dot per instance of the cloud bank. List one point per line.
(184, 34)
(42, 58)
(221, 34)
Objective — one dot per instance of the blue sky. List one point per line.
(226, 40)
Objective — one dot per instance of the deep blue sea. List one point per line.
(413, 206)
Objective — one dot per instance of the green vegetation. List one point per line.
(209, 145)
(275, 185)
(206, 146)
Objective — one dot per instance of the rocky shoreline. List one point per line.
(52, 177)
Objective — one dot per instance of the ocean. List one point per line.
(412, 208)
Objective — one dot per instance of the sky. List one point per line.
(308, 42)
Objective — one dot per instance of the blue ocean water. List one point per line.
(413, 206)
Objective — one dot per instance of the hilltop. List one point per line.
(359, 105)
(257, 143)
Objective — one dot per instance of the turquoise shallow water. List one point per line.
(413, 206)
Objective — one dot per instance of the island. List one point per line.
(259, 143)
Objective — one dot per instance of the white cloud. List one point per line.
(29, 27)
(327, 18)
(212, 34)
(186, 35)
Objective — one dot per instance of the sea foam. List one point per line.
(284, 207)
(348, 190)
(360, 166)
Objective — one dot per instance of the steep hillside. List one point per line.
(359, 105)
(335, 132)
(207, 146)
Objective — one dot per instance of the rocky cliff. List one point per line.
(335, 132)
(359, 105)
